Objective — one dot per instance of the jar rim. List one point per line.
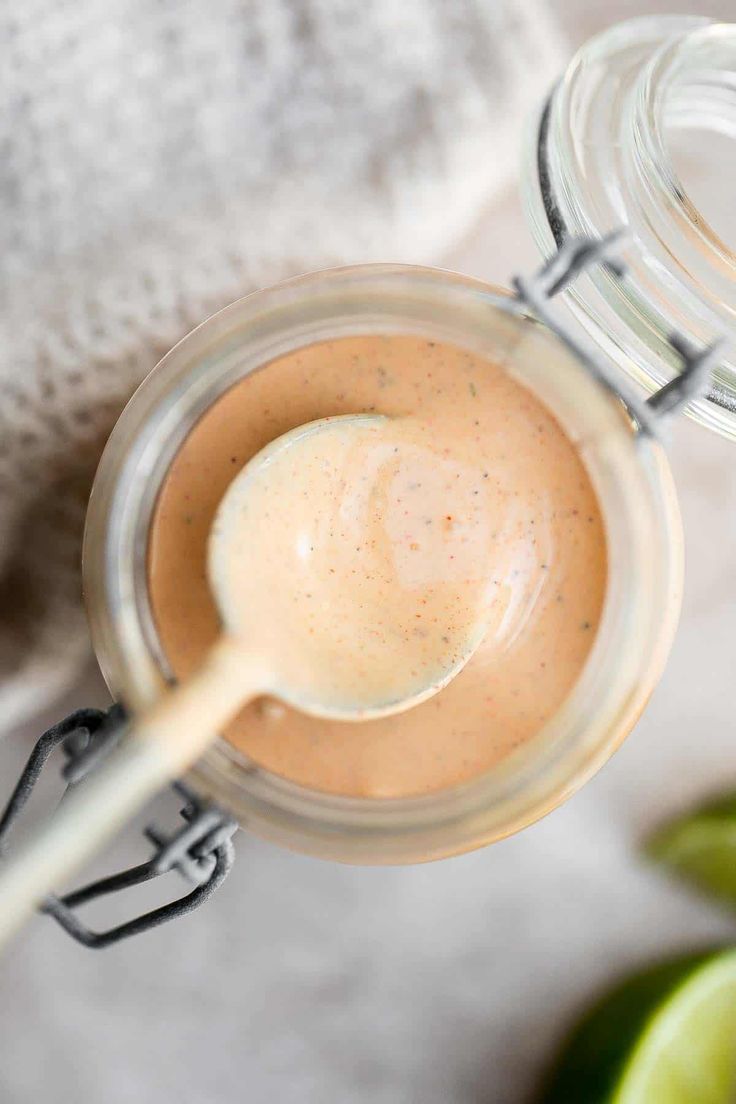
(404, 299)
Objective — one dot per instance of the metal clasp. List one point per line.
(202, 850)
(577, 255)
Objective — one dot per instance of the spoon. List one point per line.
(345, 648)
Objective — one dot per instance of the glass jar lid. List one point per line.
(641, 133)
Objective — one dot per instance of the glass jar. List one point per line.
(628, 470)
(640, 132)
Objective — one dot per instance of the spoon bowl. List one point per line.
(313, 570)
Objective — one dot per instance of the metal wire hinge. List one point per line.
(202, 850)
(576, 255)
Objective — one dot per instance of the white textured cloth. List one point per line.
(159, 159)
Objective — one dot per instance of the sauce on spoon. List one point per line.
(370, 560)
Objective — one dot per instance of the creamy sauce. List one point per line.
(468, 504)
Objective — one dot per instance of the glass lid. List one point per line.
(640, 134)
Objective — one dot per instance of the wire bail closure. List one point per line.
(576, 255)
(202, 851)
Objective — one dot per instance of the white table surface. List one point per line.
(304, 982)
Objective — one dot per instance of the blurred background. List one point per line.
(158, 161)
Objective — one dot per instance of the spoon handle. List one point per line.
(159, 746)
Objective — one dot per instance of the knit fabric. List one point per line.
(159, 158)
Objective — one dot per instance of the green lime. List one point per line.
(667, 1036)
(701, 848)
